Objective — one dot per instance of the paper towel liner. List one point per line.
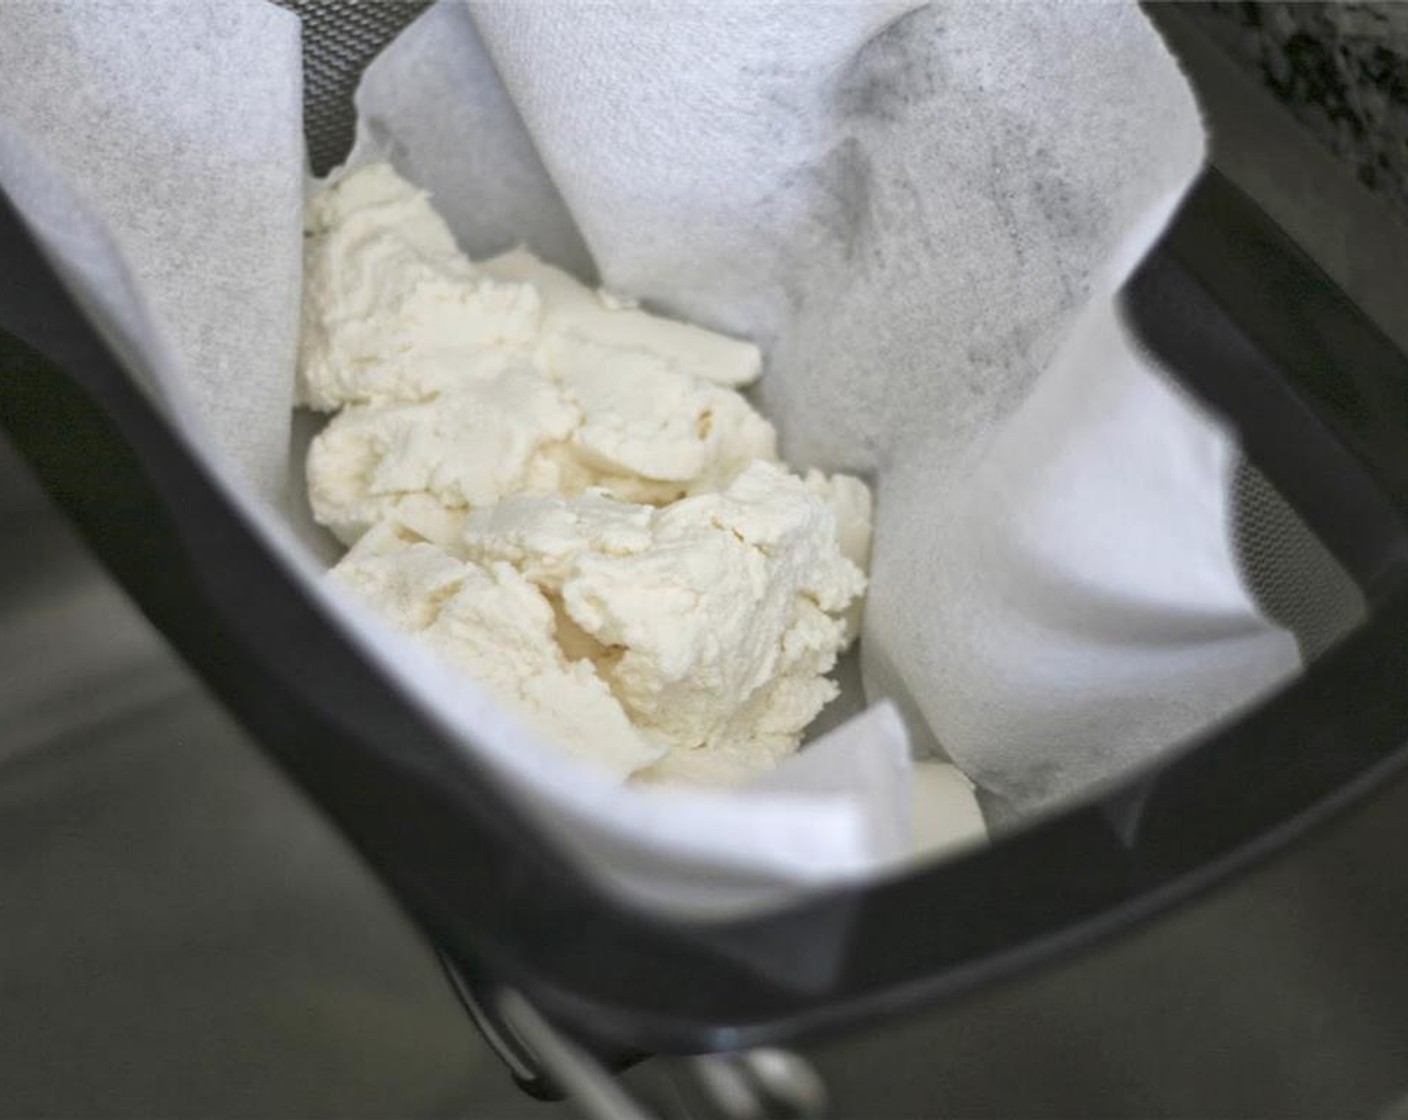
(921, 212)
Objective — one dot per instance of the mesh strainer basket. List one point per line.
(1319, 399)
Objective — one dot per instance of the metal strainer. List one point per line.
(339, 38)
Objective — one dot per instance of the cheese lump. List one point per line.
(568, 498)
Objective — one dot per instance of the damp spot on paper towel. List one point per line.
(836, 228)
(897, 67)
(1070, 214)
(998, 372)
(844, 200)
(1000, 195)
(1049, 220)
(1072, 219)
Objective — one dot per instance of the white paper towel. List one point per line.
(921, 211)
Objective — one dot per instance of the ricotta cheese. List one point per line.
(392, 310)
(497, 627)
(713, 619)
(463, 449)
(566, 496)
(462, 384)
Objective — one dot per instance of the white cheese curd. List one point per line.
(464, 449)
(392, 310)
(543, 537)
(566, 497)
(500, 630)
(721, 630)
(713, 619)
(611, 321)
(530, 382)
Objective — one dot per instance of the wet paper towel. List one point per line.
(921, 211)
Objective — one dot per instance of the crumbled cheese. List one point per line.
(718, 627)
(565, 496)
(407, 581)
(713, 619)
(392, 310)
(500, 630)
(852, 505)
(465, 449)
(611, 321)
(526, 381)
(542, 537)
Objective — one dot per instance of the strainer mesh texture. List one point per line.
(1291, 574)
(339, 38)
(1294, 579)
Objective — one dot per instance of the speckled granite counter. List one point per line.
(1342, 68)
